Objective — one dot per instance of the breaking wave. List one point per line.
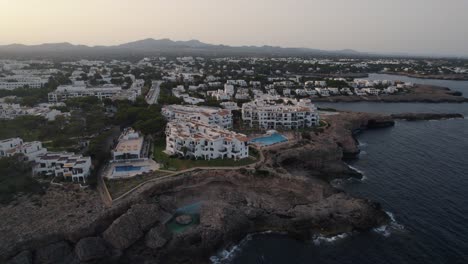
(386, 230)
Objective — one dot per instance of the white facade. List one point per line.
(67, 165)
(12, 111)
(208, 115)
(129, 146)
(229, 89)
(201, 141)
(63, 92)
(30, 150)
(19, 81)
(290, 114)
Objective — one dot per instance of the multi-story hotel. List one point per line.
(18, 81)
(63, 92)
(195, 139)
(67, 165)
(208, 115)
(281, 113)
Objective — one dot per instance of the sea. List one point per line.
(418, 171)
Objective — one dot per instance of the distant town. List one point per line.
(106, 129)
(206, 108)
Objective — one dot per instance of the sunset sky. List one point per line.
(415, 26)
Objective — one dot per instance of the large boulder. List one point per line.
(24, 257)
(184, 219)
(91, 248)
(123, 232)
(60, 252)
(146, 215)
(157, 237)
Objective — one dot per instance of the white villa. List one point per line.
(199, 140)
(273, 113)
(30, 150)
(129, 147)
(207, 115)
(63, 92)
(67, 165)
(12, 111)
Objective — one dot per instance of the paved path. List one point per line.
(153, 94)
(106, 196)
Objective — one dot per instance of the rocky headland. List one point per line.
(417, 94)
(188, 217)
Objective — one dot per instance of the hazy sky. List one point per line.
(415, 26)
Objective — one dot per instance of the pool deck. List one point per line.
(150, 164)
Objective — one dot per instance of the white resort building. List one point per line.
(63, 92)
(129, 147)
(30, 150)
(68, 165)
(195, 139)
(284, 113)
(208, 115)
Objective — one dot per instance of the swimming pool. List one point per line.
(270, 140)
(128, 168)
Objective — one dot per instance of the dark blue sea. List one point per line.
(418, 171)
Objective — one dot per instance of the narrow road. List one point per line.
(153, 94)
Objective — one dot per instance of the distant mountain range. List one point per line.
(151, 47)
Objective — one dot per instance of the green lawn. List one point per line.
(175, 164)
(118, 187)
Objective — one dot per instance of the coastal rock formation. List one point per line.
(60, 252)
(420, 93)
(229, 205)
(24, 257)
(321, 153)
(425, 116)
(288, 193)
(91, 248)
(183, 219)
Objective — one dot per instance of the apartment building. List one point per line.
(68, 165)
(18, 81)
(30, 150)
(195, 139)
(64, 92)
(280, 113)
(208, 115)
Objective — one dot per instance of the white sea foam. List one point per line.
(386, 230)
(227, 254)
(319, 239)
(362, 144)
(355, 169)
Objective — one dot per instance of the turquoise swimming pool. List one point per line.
(270, 140)
(128, 168)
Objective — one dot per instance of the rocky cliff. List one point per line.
(185, 219)
(228, 206)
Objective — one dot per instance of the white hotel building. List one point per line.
(208, 115)
(63, 92)
(269, 113)
(198, 140)
(67, 165)
(19, 81)
(30, 150)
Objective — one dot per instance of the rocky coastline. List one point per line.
(418, 94)
(453, 77)
(289, 192)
